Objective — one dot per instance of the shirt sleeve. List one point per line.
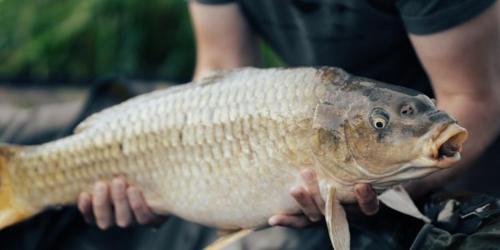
(213, 1)
(430, 16)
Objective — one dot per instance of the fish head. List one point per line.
(373, 130)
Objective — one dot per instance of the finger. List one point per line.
(103, 210)
(367, 199)
(312, 185)
(85, 207)
(142, 212)
(123, 213)
(306, 203)
(297, 221)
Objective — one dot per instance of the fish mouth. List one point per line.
(446, 144)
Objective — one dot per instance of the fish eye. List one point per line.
(379, 123)
(379, 118)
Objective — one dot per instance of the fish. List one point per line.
(224, 151)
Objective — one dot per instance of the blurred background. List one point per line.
(61, 60)
(74, 42)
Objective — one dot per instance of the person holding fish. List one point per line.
(446, 49)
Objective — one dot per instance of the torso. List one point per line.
(364, 37)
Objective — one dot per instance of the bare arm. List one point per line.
(463, 64)
(224, 39)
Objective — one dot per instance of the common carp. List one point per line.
(224, 151)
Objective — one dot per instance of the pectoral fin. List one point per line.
(228, 238)
(398, 199)
(338, 228)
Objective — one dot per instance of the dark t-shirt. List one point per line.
(365, 37)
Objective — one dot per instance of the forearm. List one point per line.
(224, 39)
(209, 63)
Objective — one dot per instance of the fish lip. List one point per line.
(452, 135)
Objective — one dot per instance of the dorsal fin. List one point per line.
(86, 123)
(218, 75)
(212, 78)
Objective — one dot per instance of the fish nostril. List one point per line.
(407, 110)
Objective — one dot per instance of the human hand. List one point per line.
(313, 206)
(115, 204)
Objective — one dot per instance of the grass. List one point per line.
(54, 41)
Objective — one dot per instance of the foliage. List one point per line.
(71, 40)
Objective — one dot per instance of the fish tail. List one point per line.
(11, 211)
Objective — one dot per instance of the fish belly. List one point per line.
(243, 198)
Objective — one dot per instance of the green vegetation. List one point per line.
(81, 39)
